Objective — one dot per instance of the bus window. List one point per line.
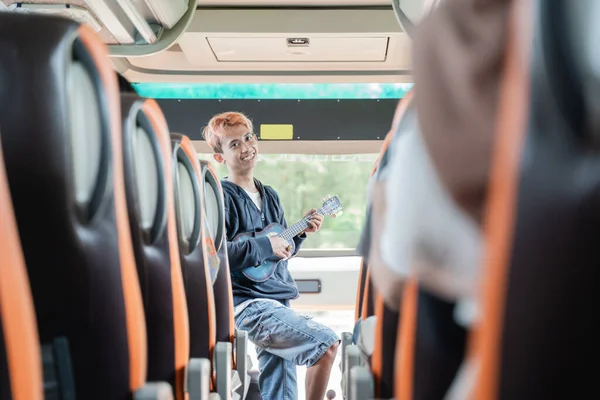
(302, 180)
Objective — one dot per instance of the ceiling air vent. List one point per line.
(298, 42)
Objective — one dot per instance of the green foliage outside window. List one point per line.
(302, 180)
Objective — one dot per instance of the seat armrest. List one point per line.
(346, 341)
(154, 391)
(223, 369)
(361, 383)
(197, 379)
(241, 356)
(353, 359)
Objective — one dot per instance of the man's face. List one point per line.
(240, 149)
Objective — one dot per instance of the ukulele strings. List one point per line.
(293, 230)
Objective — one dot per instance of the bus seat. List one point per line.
(358, 384)
(360, 290)
(197, 265)
(375, 351)
(213, 241)
(20, 361)
(366, 316)
(364, 333)
(384, 349)
(362, 340)
(216, 238)
(364, 307)
(438, 345)
(150, 200)
(368, 303)
(353, 338)
(61, 137)
(540, 324)
(405, 342)
(428, 238)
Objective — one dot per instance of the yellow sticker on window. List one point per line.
(276, 132)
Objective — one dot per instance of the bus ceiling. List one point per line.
(279, 41)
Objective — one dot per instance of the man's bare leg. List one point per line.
(317, 376)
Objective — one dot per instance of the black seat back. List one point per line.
(61, 136)
(216, 239)
(194, 260)
(540, 325)
(150, 200)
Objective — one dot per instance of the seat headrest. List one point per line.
(188, 201)
(142, 149)
(187, 193)
(212, 209)
(146, 173)
(187, 158)
(150, 199)
(213, 204)
(49, 78)
(195, 262)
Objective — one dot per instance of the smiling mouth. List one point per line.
(249, 157)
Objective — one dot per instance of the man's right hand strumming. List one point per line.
(281, 248)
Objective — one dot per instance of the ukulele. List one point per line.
(331, 207)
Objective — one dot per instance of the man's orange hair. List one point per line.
(219, 124)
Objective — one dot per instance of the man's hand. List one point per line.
(281, 248)
(314, 224)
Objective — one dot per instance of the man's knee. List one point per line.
(333, 348)
(331, 352)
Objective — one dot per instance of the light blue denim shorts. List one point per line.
(283, 332)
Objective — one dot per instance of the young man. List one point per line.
(284, 338)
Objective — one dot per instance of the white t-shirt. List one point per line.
(255, 197)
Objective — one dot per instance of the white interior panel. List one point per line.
(250, 45)
(339, 282)
(318, 49)
(288, 3)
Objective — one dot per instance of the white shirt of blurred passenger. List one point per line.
(424, 231)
